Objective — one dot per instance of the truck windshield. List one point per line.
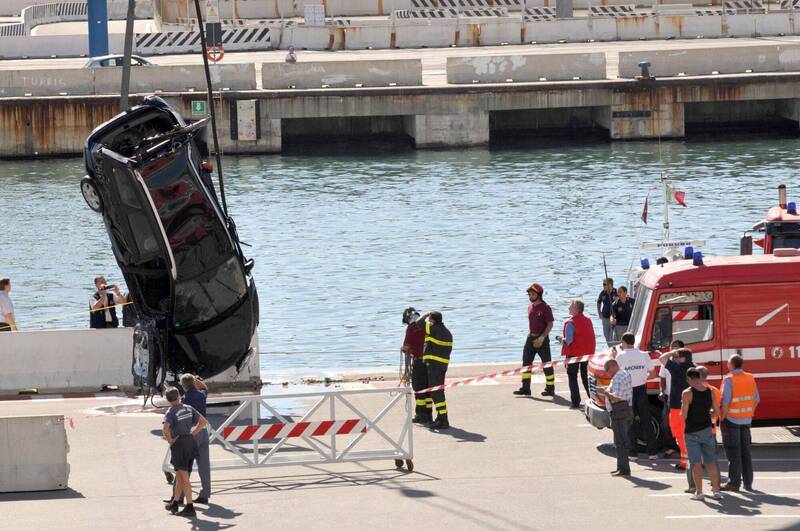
(643, 296)
(786, 241)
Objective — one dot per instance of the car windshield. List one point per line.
(639, 313)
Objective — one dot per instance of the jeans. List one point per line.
(572, 373)
(203, 463)
(618, 331)
(641, 408)
(701, 447)
(736, 440)
(622, 443)
(608, 330)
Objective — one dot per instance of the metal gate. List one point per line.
(336, 428)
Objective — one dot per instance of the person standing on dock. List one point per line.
(621, 311)
(291, 57)
(7, 321)
(436, 356)
(619, 397)
(413, 347)
(578, 340)
(739, 401)
(604, 301)
(540, 322)
(640, 366)
(195, 394)
(180, 425)
(102, 305)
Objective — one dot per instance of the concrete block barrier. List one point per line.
(85, 360)
(526, 68)
(33, 453)
(49, 82)
(425, 33)
(175, 78)
(698, 62)
(333, 74)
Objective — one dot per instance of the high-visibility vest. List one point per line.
(583, 342)
(743, 397)
(438, 343)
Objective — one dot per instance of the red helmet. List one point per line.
(537, 288)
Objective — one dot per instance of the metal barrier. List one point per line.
(319, 427)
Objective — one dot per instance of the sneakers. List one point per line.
(187, 511)
(172, 507)
(749, 488)
(548, 392)
(620, 473)
(679, 466)
(201, 499)
(697, 497)
(633, 455)
(575, 406)
(729, 488)
(522, 392)
(690, 490)
(653, 457)
(716, 495)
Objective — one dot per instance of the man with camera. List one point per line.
(102, 305)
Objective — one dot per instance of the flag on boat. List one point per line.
(644, 210)
(678, 196)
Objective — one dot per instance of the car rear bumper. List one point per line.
(597, 416)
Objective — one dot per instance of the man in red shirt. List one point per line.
(413, 345)
(540, 322)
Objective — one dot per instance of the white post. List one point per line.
(666, 205)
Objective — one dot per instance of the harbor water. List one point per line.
(345, 239)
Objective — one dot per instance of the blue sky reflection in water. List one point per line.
(343, 243)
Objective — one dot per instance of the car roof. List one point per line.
(717, 270)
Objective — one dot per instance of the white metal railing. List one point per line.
(334, 429)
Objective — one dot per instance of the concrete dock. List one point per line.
(507, 463)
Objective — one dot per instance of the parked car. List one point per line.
(116, 60)
(178, 251)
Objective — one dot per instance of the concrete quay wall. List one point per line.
(446, 116)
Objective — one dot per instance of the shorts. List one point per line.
(701, 447)
(184, 451)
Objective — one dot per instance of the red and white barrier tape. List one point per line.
(507, 372)
(264, 432)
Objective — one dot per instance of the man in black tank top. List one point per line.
(697, 408)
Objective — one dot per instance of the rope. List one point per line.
(74, 314)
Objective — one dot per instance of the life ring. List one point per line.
(215, 54)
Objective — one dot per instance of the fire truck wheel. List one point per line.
(655, 423)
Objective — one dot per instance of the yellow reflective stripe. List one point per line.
(420, 401)
(526, 376)
(442, 412)
(439, 342)
(427, 328)
(429, 406)
(435, 358)
(441, 404)
(743, 398)
(429, 399)
(550, 378)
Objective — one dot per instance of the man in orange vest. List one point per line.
(739, 401)
(578, 340)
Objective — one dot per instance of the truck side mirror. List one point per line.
(746, 245)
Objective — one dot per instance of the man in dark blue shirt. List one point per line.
(181, 424)
(195, 395)
(604, 301)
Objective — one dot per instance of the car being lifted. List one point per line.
(179, 252)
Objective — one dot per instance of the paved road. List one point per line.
(434, 60)
(508, 463)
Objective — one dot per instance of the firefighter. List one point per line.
(413, 346)
(540, 322)
(436, 355)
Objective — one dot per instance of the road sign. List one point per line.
(199, 108)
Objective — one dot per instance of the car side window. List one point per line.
(105, 62)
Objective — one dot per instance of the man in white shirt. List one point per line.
(640, 366)
(7, 321)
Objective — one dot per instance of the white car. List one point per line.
(116, 60)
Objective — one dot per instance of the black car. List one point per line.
(178, 251)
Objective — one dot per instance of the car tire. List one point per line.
(91, 195)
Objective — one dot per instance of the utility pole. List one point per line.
(97, 15)
(126, 65)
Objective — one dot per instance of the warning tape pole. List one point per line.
(507, 372)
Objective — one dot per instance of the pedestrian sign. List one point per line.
(199, 108)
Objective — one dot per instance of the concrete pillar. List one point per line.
(564, 9)
(469, 128)
(645, 113)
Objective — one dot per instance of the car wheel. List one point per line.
(655, 425)
(91, 195)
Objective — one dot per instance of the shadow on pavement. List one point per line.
(647, 483)
(324, 479)
(557, 400)
(461, 435)
(65, 494)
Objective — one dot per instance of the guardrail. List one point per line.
(336, 427)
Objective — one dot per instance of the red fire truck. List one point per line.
(748, 305)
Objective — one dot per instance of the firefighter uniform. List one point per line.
(540, 316)
(414, 345)
(436, 356)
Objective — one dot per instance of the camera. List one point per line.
(108, 287)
